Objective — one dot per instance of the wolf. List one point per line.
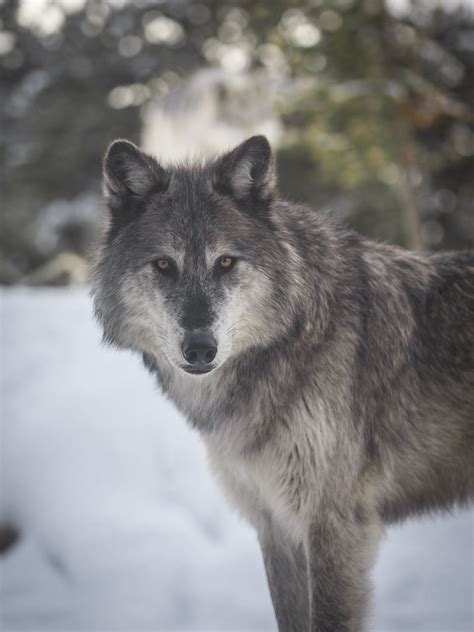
(331, 377)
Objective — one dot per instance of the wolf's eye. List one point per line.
(226, 263)
(163, 265)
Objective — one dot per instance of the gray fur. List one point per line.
(341, 398)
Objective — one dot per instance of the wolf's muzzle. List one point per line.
(199, 350)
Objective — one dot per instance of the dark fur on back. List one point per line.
(342, 394)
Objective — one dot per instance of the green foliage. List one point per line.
(379, 94)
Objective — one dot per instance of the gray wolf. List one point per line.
(330, 377)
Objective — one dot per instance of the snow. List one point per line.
(123, 526)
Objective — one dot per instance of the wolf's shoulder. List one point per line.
(453, 263)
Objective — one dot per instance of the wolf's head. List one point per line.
(193, 268)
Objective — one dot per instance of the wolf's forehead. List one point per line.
(196, 224)
(190, 187)
(197, 242)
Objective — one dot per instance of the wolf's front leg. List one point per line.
(287, 573)
(341, 553)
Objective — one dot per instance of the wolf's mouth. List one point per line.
(198, 371)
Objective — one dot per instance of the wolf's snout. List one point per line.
(199, 348)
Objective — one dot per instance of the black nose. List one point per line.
(199, 348)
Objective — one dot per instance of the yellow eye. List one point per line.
(225, 263)
(163, 264)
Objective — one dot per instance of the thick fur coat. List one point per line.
(331, 377)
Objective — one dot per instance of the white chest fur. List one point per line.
(283, 480)
(285, 477)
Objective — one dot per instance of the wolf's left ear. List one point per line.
(129, 173)
(247, 170)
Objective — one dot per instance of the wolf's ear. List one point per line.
(130, 173)
(247, 170)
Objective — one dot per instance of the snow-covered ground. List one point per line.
(123, 527)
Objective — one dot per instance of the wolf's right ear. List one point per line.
(129, 173)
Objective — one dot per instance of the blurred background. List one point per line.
(109, 519)
(370, 105)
